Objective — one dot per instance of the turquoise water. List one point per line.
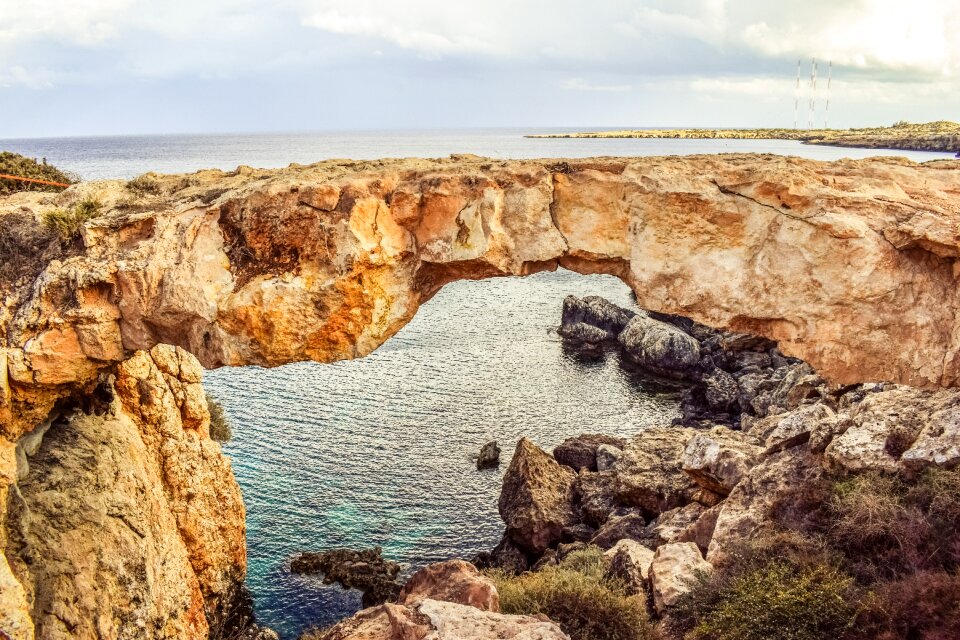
(378, 451)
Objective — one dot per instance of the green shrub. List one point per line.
(575, 595)
(779, 601)
(17, 165)
(219, 427)
(67, 222)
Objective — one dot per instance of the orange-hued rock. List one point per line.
(452, 581)
(848, 264)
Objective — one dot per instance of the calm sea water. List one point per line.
(378, 451)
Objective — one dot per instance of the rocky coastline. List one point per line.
(943, 136)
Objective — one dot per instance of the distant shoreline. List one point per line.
(943, 136)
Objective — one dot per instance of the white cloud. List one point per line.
(579, 84)
(82, 22)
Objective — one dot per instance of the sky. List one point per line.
(105, 67)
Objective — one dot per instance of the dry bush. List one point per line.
(147, 184)
(26, 246)
(66, 223)
(17, 165)
(575, 595)
(921, 606)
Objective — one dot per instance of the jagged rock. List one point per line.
(674, 571)
(745, 514)
(700, 532)
(721, 390)
(797, 382)
(581, 452)
(782, 431)
(537, 498)
(592, 319)
(595, 496)
(719, 459)
(629, 562)
(900, 428)
(506, 556)
(577, 533)
(607, 456)
(649, 474)
(489, 455)
(660, 347)
(366, 570)
(437, 620)
(619, 527)
(670, 525)
(451, 581)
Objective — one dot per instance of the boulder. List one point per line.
(537, 498)
(580, 452)
(670, 525)
(650, 475)
(746, 513)
(592, 319)
(721, 391)
(717, 460)
(451, 581)
(489, 455)
(674, 571)
(607, 456)
(783, 431)
(506, 556)
(595, 496)
(629, 562)
(630, 526)
(700, 531)
(899, 429)
(660, 347)
(437, 620)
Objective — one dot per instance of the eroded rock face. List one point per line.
(326, 262)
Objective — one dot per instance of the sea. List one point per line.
(381, 451)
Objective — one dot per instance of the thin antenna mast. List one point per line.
(813, 93)
(826, 111)
(796, 98)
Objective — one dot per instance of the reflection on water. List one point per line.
(378, 451)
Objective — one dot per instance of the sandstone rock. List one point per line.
(592, 316)
(595, 496)
(785, 430)
(451, 581)
(580, 452)
(900, 428)
(630, 526)
(489, 455)
(719, 459)
(629, 562)
(670, 525)
(649, 474)
(607, 456)
(745, 514)
(675, 569)
(660, 347)
(700, 532)
(537, 499)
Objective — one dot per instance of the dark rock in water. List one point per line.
(506, 556)
(595, 312)
(660, 347)
(489, 455)
(366, 570)
(581, 452)
(536, 500)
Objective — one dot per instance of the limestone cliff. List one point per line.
(121, 505)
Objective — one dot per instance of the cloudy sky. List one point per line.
(76, 67)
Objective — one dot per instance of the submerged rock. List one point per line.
(366, 570)
(537, 498)
(592, 319)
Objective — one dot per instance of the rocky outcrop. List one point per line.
(649, 474)
(718, 459)
(848, 265)
(489, 455)
(675, 570)
(659, 346)
(452, 581)
(109, 528)
(365, 570)
(580, 452)
(536, 501)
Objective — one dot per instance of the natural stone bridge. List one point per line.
(850, 265)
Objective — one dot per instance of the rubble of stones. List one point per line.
(668, 502)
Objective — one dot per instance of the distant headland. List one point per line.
(941, 135)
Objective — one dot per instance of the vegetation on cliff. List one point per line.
(15, 164)
(941, 135)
